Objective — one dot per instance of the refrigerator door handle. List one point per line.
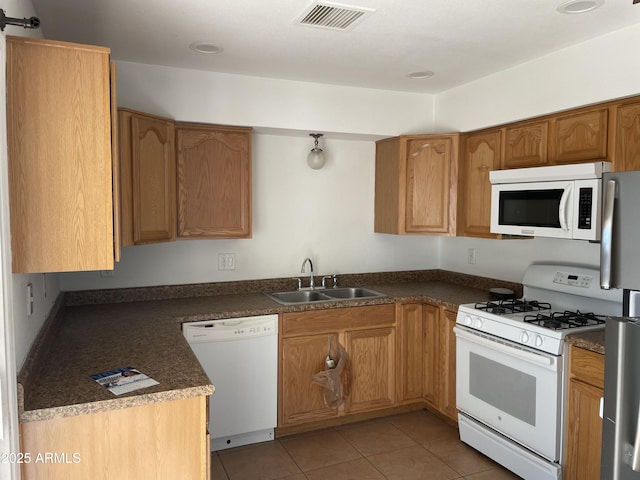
(634, 450)
(607, 231)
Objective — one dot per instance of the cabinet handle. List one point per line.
(601, 412)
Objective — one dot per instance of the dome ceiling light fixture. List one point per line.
(315, 158)
(206, 48)
(579, 6)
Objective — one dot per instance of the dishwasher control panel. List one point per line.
(230, 328)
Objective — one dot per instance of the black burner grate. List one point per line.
(566, 319)
(503, 307)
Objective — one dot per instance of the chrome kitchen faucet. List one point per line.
(312, 283)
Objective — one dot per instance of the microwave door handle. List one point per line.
(607, 233)
(563, 208)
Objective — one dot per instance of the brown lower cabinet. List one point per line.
(427, 355)
(401, 357)
(584, 425)
(368, 334)
(164, 441)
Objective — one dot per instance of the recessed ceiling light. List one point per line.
(423, 74)
(579, 6)
(205, 47)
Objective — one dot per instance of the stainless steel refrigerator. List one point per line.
(620, 268)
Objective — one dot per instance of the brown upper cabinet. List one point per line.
(214, 181)
(576, 136)
(525, 144)
(416, 184)
(59, 126)
(183, 180)
(580, 136)
(148, 178)
(627, 138)
(481, 153)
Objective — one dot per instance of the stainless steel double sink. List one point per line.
(297, 297)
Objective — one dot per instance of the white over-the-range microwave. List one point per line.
(560, 201)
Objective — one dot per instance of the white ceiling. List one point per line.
(460, 40)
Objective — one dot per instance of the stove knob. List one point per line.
(538, 341)
(478, 323)
(467, 320)
(524, 337)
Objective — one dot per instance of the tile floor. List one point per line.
(416, 445)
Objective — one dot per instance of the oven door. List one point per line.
(513, 389)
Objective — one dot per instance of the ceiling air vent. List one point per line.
(333, 16)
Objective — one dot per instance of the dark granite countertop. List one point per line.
(593, 341)
(91, 332)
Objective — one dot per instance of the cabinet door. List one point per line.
(164, 440)
(525, 145)
(481, 155)
(372, 354)
(148, 173)
(60, 164)
(431, 184)
(389, 186)
(627, 152)
(300, 400)
(447, 364)
(584, 432)
(214, 181)
(430, 352)
(579, 137)
(410, 357)
(584, 425)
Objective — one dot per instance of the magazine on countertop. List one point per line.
(123, 380)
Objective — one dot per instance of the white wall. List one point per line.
(600, 69)
(298, 212)
(508, 259)
(329, 214)
(199, 96)
(591, 72)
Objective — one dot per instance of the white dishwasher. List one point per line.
(240, 357)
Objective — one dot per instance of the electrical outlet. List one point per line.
(226, 261)
(29, 299)
(471, 256)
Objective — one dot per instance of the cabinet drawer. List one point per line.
(587, 366)
(337, 319)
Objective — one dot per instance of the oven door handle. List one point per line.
(501, 346)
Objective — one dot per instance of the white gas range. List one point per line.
(510, 365)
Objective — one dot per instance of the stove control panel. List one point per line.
(536, 337)
(574, 280)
